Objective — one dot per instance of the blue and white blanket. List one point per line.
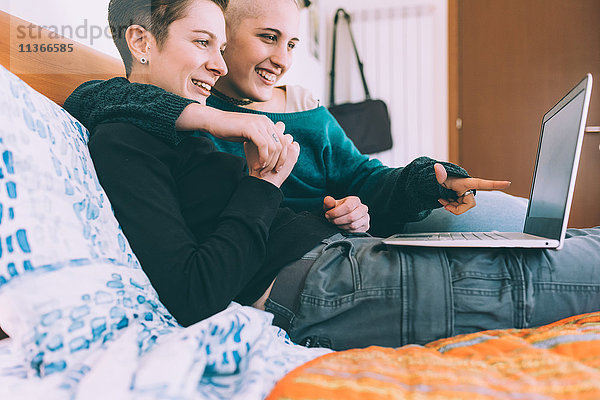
(236, 354)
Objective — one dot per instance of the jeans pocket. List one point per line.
(482, 302)
(335, 273)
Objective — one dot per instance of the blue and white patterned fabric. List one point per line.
(83, 319)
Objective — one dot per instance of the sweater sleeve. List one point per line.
(194, 278)
(407, 194)
(394, 195)
(148, 107)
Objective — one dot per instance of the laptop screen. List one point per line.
(552, 180)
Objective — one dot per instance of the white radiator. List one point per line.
(404, 51)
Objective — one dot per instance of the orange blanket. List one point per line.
(556, 361)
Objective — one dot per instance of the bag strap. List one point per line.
(360, 64)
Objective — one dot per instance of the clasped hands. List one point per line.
(271, 155)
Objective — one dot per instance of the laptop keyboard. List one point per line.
(460, 236)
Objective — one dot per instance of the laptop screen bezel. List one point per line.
(546, 227)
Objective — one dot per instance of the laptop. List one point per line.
(552, 188)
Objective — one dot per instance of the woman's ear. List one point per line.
(139, 41)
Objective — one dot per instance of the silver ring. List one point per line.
(468, 192)
(275, 137)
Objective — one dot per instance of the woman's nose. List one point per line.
(217, 64)
(281, 57)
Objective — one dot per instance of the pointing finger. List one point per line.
(484, 184)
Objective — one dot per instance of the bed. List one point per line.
(84, 322)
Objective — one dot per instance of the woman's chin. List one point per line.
(200, 98)
(261, 95)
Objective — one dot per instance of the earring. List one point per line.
(143, 60)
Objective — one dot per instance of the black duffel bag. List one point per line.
(366, 123)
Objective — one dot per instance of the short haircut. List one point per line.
(154, 15)
(239, 10)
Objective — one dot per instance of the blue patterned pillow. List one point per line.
(69, 281)
(52, 208)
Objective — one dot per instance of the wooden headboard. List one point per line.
(57, 73)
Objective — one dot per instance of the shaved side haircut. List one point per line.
(239, 10)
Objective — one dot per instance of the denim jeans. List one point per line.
(494, 211)
(361, 292)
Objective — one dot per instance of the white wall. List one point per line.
(404, 46)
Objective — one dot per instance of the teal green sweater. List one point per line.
(329, 163)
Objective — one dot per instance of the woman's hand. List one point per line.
(237, 127)
(288, 158)
(258, 129)
(349, 213)
(462, 186)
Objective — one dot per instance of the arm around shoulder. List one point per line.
(148, 107)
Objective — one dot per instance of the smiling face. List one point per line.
(190, 60)
(259, 49)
